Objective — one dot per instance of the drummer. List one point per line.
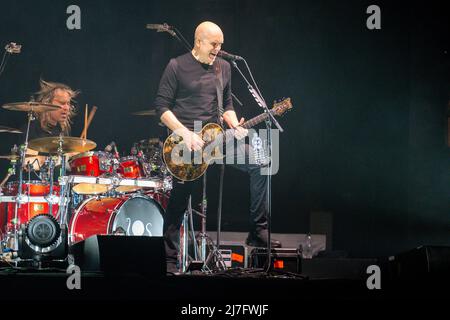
(51, 123)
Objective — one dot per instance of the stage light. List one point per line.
(42, 238)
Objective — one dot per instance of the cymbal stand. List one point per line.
(20, 198)
(214, 253)
(200, 260)
(64, 189)
(187, 225)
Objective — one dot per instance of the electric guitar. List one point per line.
(188, 166)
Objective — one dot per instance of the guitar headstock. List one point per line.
(282, 106)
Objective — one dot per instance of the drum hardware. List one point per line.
(26, 203)
(201, 261)
(145, 183)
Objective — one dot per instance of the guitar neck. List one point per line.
(254, 121)
(248, 124)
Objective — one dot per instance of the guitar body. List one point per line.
(188, 166)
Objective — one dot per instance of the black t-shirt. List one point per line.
(188, 89)
(37, 132)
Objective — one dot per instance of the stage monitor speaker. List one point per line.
(421, 261)
(114, 254)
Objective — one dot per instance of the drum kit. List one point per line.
(98, 193)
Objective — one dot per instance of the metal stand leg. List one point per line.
(214, 259)
(201, 261)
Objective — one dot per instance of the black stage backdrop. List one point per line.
(366, 140)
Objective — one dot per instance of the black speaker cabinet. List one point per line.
(117, 254)
(421, 261)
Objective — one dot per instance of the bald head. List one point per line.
(208, 41)
(207, 29)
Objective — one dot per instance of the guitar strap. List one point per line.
(219, 89)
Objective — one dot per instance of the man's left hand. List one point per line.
(240, 132)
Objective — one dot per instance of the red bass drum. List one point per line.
(137, 215)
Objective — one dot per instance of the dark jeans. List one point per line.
(182, 190)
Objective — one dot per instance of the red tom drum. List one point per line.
(92, 164)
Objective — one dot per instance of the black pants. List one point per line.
(181, 191)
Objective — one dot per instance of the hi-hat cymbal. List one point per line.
(69, 144)
(31, 106)
(8, 129)
(145, 113)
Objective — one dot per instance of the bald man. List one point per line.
(187, 93)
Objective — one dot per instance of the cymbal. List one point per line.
(31, 106)
(151, 112)
(69, 144)
(8, 129)
(16, 156)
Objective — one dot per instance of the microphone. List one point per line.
(161, 28)
(228, 56)
(13, 47)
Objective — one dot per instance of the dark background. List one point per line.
(366, 139)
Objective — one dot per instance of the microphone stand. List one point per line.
(270, 119)
(215, 253)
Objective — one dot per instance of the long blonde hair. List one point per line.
(46, 95)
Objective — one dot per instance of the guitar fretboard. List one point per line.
(229, 134)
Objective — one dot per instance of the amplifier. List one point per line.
(234, 254)
(285, 259)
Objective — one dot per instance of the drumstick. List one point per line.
(83, 133)
(91, 116)
(85, 121)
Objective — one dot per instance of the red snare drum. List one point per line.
(26, 210)
(128, 215)
(129, 168)
(93, 164)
